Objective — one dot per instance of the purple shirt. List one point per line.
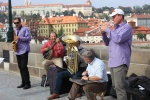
(23, 43)
(119, 41)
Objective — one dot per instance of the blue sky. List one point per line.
(95, 3)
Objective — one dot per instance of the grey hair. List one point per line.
(88, 54)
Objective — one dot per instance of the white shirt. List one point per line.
(97, 68)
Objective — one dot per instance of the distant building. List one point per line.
(69, 24)
(3, 29)
(51, 9)
(3, 7)
(95, 37)
(107, 12)
(86, 9)
(140, 19)
(139, 29)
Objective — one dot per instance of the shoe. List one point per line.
(78, 95)
(53, 96)
(21, 86)
(27, 87)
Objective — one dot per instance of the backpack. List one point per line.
(44, 81)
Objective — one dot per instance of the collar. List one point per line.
(19, 28)
(121, 24)
(93, 61)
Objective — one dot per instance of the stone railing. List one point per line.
(140, 59)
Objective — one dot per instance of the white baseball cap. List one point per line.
(117, 11)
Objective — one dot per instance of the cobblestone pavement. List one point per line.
(9, 91)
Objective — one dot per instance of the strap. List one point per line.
(19, 30)
(55, 42)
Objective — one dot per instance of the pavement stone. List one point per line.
(9, 91)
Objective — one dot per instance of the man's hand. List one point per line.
(16, 38)
(84, 78)
(45, 49)
(57, 40)
(85, 73)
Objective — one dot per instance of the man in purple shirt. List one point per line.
(119, 41)
(23, 37)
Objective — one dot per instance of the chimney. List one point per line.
(132, 24)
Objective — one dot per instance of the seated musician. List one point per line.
(96, 71)
(81, 68)
(58, 52)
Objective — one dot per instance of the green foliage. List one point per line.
(140, 36)
(60, 32)
(3, 16)
(69, 13)
(0, 36)
(47, 14)
(80, 14)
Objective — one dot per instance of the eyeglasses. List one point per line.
(16, 22)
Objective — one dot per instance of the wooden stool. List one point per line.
(101, 94)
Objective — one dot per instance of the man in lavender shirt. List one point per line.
(119, 41)
(23, 37)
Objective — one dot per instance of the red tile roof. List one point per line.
(76, 5)
(3, 4)
(26, 6)
(140, 16)
(141, 29)
(81, 31)
(62, 20)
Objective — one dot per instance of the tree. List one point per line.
(137, 9)
(22, 13)
(60, 32)
(66, 12)
(140, 36)
(80, 14)
(47, 14)
(14, 13)
(72, 12)
(99, 10)
(146, 8)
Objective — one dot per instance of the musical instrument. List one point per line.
(14, 45)
(72, 52)
(48, 54)
(97, 29)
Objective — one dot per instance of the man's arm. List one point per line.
(123, 35)
(27, 36)
(92, 78)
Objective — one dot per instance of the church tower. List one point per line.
(27, 2)
(89, 3)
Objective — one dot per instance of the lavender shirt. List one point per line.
(119, 41)
(23, 43)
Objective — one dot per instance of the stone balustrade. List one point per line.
(140, 59)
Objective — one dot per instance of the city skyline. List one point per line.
(95, 3)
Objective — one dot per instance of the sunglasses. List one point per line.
(16, 22)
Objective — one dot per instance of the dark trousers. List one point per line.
(89, 90)
(66, 73)
(22, 64)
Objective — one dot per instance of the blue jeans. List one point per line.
(66, 73)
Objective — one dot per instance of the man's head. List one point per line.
(53, 36)
(88, 56)
(77, 38)
(117, 16)
(17, 22)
